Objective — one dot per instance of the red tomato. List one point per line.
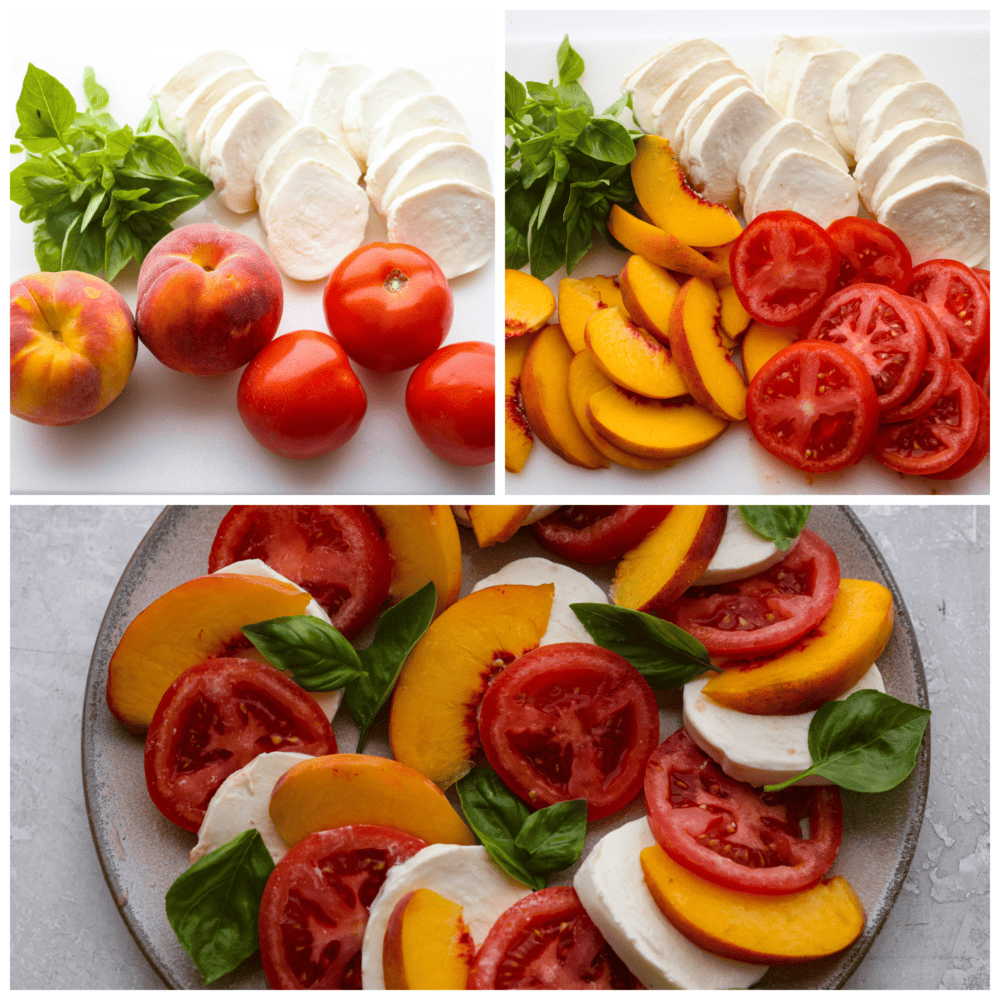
(983, 374)
(767, 612)
(597, 534)
(783, 266)
(570, 721)
(315, 905)
(814, 406)
(979, 448)
(450, 400)
(546, 941)
(960, 302)
(884, 330)
(938, 437)
(336, 553)
(389, 305)
(732, 835)
(870, 253)
(984, 276)
(214, 719)
(299, 397)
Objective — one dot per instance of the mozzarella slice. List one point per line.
(314, 218)
(242, 802)
(572, 587)
(787, 55)
(324, 104)
(465, 875)
(420, 111)
(441, 161)
(170, 94)
(809, 96)
(216, 117)
(195, 107)
(904, 103)
(611, 887)
(741, 553)
(803, 183)
(450, 220)
(699, 109)
(367, 103)
(307, 70)
(757, 749)
(669, 108)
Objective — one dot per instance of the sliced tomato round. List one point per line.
(216, 718)
(983, 374)
(315, 905)
(979, 448)
(336, 553)
(984, 276)
(546, 941)
(814, 406)
(570, 721)
(960, 302)
(783, 266)
(938, 437)
(733, 835)
(767, 612)
(883, 329)
(870, 253)
(594, 534)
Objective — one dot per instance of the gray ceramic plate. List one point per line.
(142, 853)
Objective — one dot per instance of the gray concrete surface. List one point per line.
(66, 933)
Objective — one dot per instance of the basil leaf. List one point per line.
(778, 523)
(866, 743)
(516, 248)
(47, 249)
(151, 118)
(399, 630)
(607, 141)
(553, 836)
(514, 95)
(97, 96)
(664, 654)
(213, 907)
(45, 108)
(569, 62)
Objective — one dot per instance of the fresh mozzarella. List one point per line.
(809, 96)
(699, 109)
(787, 55)
(308, 68)
(907, 102)
(216, 118)
(419, 111)
(799, 182)
(324, 104)
(367, 103)
(438, 162)
(669, 108)
(170, 94)
(195, 107)
(612, 889)
(757, 749)
(242, 802)
(464, 875)
(572, 587)
(741, 553)
(450, 220)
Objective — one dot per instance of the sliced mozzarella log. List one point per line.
(307, 70)
(669, 108)
(809, 96)
(240, 144)
(216, 117)
(367, 103)
(944, 155)
(699, 50)
(314, 218)
(170, 94)
(465, 875)
(572, 587)
(741, 553)
(420, 111)
(450, 220)
(324, 104)
(800, 182)
(757, 749)
(904, 103)
(940, 217)
(442, 161)
(787, 55)
(193, 110)
(699, 109)
(611, 887)
(242, 803)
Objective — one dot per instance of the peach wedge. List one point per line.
(648, 292)
(494, 522)
(578, 298)
(761, 343)
(528, 303)
(661, 248)
(517, 437)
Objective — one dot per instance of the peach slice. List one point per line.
(712, 378)
(828, 661)
(493, 522)
(663, 192)
(632, 358)
(348, 788)
(194, 622)
(653, 428)
(767, 930)
(669, 559)
(424, 544)
(546, 401)
(528, 303)
(720, 257)
(733, 318)
(432, 723)
(661, 248)
(648, 292)
(762, 342)
(578, 298)
(517, 438)
(427, 944)
(585, 378)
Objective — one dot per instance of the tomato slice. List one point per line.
(870, 253)
(960, 302)
(984, 276)
(315, 905)
(938, 437)
(814, 406)
(216, 718)
(883, 329)
(983, 374)
(336, 553)
(570, 721)
(732, 835)
(594, 534)
(546, 941)
(767, 612)
(783, 266)
(979, 448)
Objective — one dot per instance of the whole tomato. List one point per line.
(449, 400)
(389, 305)
(299, 397)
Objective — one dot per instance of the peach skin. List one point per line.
(517, 437)
(648, 292)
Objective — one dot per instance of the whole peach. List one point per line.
(208, 300)
(72, 346)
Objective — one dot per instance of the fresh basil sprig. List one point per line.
(866, 743)
(664, 654)
(213, 907)
(524, 844)
(779, 523)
